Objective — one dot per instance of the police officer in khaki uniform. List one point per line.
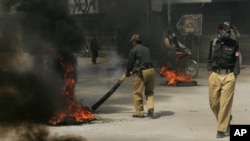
(223, 68)
(140, 62)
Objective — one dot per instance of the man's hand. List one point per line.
(128, 74)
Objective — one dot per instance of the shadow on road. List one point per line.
(163, 113)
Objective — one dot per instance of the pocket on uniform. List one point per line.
(228, 52)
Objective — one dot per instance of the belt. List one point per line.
(222, 71)
(147, 66)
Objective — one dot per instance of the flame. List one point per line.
(173, 76)
(74, 110)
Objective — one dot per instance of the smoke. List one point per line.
(34, 34)
(130, 17)
(33, 132)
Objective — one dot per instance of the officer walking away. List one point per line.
(140, 62)
(223, 68)
(94, 48)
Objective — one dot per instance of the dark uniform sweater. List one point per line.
(138, 56)
(231, 48)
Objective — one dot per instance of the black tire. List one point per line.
(192, 68)
(191, 83)
(185, 83)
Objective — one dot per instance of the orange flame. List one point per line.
(74, 110)
(173, 77)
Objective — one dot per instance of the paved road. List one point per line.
(181, 113)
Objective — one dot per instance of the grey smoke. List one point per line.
(33, 36)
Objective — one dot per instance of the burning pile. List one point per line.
(74, 113)
(174, 76)
(32, 92)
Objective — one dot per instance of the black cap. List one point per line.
(224, 26)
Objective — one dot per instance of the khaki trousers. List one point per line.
(149, 83)
(221, 92)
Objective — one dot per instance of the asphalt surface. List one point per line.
(181, 113)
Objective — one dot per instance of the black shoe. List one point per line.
(138, 116)
(150, 112)
(220, 134)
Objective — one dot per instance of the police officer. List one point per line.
(223, 68)
(140, 60)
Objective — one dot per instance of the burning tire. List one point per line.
(185, 83)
